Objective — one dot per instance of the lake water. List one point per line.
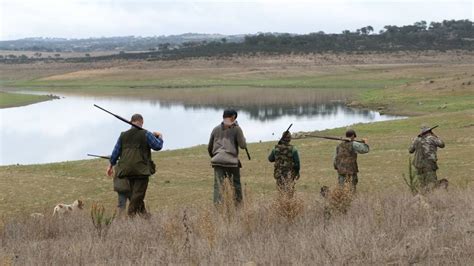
(69, 128)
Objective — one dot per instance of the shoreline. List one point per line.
(12, 99)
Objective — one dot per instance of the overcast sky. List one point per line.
(104, 18)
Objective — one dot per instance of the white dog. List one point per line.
(62, 209)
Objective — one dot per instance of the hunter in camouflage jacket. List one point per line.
(425, 147)
(287, 164)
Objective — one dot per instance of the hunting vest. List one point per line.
(284, 164)
(425, 154)
(135, 157)
(346, 159)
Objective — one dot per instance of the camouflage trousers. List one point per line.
(344, 179)
(427, 177)
(286, 185)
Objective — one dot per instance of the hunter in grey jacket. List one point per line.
(224, 145)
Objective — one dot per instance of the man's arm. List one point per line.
(116, 152)
(412, 147)
(114, 157)
(438, 142)
(210, 146)
(360, 147)
(155, 143)
(240, 138)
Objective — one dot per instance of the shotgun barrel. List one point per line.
(99, 156)
(119, 117)
(331, 138)
(287, 130)
(248, 154)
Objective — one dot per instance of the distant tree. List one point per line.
(164, 46)
(370, 29)
(87, 55)
(422, 25)
(57, 55)
(224, 40)
(346, 32)
(23, 57)
(389, 29)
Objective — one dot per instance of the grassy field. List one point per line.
(14, 99)
(436, 94)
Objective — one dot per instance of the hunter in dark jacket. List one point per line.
(132, 151)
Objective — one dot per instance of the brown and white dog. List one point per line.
(64, 209)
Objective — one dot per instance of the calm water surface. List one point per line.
(69, 128)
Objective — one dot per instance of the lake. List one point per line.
(69, 128)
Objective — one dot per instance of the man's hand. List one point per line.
(158, 134)
(365, 141)
(297, 176)
(110, 170)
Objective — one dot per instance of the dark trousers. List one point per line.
(233, 173)
(138, 188)
(122, 200)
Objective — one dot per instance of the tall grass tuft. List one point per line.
(187, 231)
(413, 181)
(288, 206)
(340, 198)
(227, 206)
(101, 220)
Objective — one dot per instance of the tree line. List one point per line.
(440, 36)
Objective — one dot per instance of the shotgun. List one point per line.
(287, 130)
(99, 156)
(120, 118)
(248, 154)
(332, 138)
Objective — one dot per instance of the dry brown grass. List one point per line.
(288, 206)
(340, 199)
(388, 228)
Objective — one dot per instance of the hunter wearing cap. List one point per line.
(287, 164)
(223, 148)
(425, 147)
(345, 159)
